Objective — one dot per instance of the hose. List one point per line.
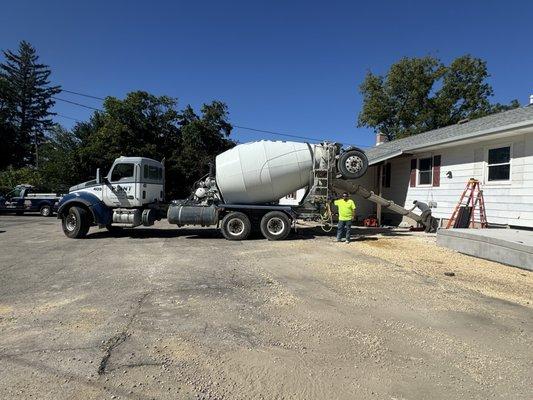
(327, 219)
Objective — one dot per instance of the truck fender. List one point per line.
(101, 213)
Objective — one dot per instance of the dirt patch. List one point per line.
(423, 256)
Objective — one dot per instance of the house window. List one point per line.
(425, 171)
(499, 164)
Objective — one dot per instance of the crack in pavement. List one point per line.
(51, 350)
(139, 364)
(120, 337)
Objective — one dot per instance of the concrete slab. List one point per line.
(507, 246)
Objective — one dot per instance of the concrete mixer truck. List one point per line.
(239, 195)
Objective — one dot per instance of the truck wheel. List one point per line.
(46, 211)
(275, 225)
(352, 164)
(76, 223)
(236, 226)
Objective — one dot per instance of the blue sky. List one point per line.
(285, 66)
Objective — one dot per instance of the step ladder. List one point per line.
(470, 201)
(321, 180)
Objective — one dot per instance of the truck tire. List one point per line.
(75, 223)
(275, 225)
(236, 226)
(352, 164)
(46, 211)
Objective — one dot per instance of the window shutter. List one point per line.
(412, 180)
(387, 175)
(436, 171)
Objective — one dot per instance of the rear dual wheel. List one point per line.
(275, 225)
(236, 226)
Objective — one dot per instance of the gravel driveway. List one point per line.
(161, 313)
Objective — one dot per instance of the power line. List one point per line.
(83, 94)
(292, 136)
(275, 133)
(77, 104)
(236, 126)
(67, 117)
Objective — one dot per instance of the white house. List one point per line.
(435, 166)
(293, 199)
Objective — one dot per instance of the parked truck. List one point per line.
(239, 194)
(25, 198)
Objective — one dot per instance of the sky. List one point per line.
(284, 66)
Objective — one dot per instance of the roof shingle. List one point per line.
(450, 133)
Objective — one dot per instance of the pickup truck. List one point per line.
(24, 198)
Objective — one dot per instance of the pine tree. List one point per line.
(8, 133)
(29, 98)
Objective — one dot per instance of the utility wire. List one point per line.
(77, 104)
(275, 133)
(82, 94)
(67, 117)
(236, 126)
(291, 135)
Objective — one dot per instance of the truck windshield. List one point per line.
(14, 193)
(121, 172)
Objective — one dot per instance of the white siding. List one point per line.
(293, 199)
(365, 208)
(509, 203)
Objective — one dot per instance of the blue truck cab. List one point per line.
(25, 198)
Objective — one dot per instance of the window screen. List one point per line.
(499, 164)
(425, 173)
(122, 171)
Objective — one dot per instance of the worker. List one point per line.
(346, 208)
(425, 216)
(423, 207)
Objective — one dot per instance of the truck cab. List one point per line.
(128, 196)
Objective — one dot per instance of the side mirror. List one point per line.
(98, 178)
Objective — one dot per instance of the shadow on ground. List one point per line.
(302, 233)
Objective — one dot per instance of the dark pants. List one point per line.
(343, 229)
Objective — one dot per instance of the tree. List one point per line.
(59, 158)
(202, 138)
(28, 96)
(8, 149)
(420, 94)
(140, 125)
(11, 177)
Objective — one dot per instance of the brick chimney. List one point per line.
(380, 138)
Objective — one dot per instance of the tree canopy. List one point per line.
(420, 94)
(36, 151)
(140, 125)
(25, 104)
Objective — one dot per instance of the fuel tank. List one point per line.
(264, 171)
(192, 215)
